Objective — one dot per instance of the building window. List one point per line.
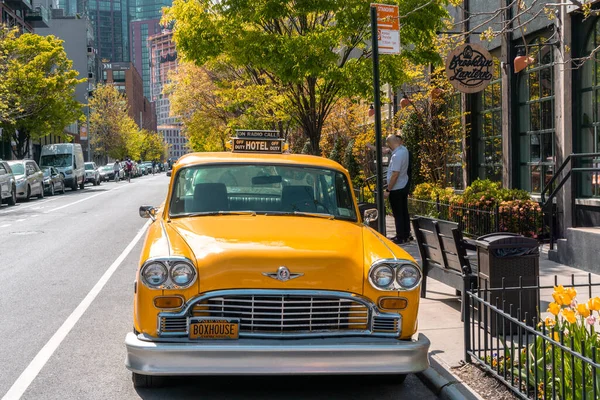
(589, 118)
(489, 134)
(118, 76)
(536, 118)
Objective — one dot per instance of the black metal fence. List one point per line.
(536, 358)
(479, 221)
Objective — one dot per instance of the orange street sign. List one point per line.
(388, 28)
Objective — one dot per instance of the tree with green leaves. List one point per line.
(110, 122)
(311, 52)
(153, 146)
(7, 100)
(41, 82)
(215, 100)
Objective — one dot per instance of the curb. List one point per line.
(446, 387)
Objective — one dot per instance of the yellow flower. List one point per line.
(594, 304)
(569, 315)
(559, 289)
(556, 337)
(571, 293)
(560, 299)
(563, 296)
(550, 322)
(583, 310)
(553, 308)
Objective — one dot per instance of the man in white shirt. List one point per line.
(398, 187)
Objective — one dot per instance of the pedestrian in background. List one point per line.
(398, 187)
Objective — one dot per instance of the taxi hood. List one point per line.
(234, 252)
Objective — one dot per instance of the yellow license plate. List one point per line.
(214, 329)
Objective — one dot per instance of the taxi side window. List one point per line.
(2, 170)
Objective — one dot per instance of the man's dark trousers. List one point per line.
(399, 203)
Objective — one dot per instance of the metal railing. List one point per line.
(552, 188)
(532, 357)
(478, 221)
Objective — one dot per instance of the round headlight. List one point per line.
(154, 274)
(182, 274)
(408, 276)
(382, 276)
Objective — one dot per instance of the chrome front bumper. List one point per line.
(349, 355)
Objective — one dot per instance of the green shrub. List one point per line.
(516, 211)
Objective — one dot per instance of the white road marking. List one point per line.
(37, 204)
(80, 200)
(21, 220)
(5, 226)
(35, 366)
(35, 216)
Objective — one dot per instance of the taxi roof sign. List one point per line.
(257, 141)
(257, 134)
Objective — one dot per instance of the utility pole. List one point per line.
(377, 105)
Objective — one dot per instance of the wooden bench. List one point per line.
(443, 253)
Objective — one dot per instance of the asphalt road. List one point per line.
(64, 316)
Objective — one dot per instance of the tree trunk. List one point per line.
(21, 138)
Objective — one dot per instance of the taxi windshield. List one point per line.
(261, 189)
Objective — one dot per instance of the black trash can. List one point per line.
(508, 257)
(362, 207)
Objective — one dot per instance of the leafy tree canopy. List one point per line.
(311, 51)
(41, 82)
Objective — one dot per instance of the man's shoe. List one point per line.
(399, 241)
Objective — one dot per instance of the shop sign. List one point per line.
(469, 68)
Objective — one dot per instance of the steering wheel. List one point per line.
(318, 203)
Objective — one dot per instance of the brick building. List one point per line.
(125, 77)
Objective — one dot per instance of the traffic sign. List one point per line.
(388, 28)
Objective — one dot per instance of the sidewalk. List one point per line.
(439, 313)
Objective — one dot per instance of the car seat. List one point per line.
(298, 198)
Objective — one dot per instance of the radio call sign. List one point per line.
(257, 145)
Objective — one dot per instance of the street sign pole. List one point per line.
(377, 106)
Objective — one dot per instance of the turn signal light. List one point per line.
(168, 302)
(393, 303)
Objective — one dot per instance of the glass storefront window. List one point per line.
(536, 117)
(489, 134)
(589, 118)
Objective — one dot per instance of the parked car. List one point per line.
(54, 181)
(29, 179)
(107, 173)
(92, 174)
(67, 158)
(267, 261)
(8, 185)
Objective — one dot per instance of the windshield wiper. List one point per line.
(302, 214)
(210, 213)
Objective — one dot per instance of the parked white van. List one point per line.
(67, 158)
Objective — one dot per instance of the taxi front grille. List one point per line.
(286, 314)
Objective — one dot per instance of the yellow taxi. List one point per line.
(259, 262)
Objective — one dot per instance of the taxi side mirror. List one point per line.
(148, 212)
(371, 215)
(168, 173)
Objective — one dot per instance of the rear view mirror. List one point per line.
(168, 173)
(148, 212)
(371, 215)
(266, 180)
